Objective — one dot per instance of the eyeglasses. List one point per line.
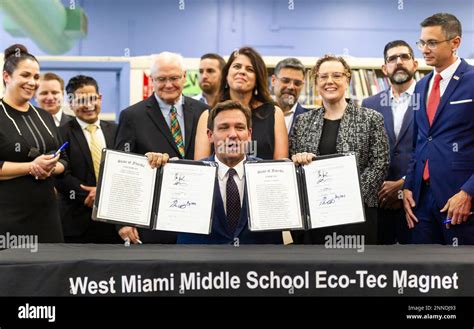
(85, 100)
(336, 76)
(431, 44)
(393, 59)
(163, 80)
(287, 81)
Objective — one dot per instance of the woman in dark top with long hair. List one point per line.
(28, 140)
(244, 79)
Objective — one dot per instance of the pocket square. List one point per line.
(461, 101)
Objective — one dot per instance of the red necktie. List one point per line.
(433, 102)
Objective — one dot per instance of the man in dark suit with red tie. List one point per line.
(165, 122)
(439, 185)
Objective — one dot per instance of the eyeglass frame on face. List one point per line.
(298, 83)
(394, 58)
(334, 78)
(84, 100)
(431, 44)
(164, 80)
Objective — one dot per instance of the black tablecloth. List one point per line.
(158, 270)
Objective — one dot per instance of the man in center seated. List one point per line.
(229, 127)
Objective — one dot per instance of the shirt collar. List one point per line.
(166, 106)
(448, 72)
(85, 124)
(59, 115)
(408, 92)
(291, 111)
(223, 168)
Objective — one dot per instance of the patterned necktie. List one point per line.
(433, 102)
(233, 206)
(176, 131)
(95, 148)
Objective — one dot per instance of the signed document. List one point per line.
(125, 190)
(177, 197)
(333, 191)
(186, 198)
(281, 196)
(273, 196)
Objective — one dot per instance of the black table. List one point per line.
(167, 270)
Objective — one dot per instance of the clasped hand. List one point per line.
(43, 166)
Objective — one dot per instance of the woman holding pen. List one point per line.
(29, 144)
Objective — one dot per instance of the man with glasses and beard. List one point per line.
(396, 104)
(288, 82)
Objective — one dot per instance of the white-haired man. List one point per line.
(165, 122)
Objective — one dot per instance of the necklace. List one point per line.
(14, 122)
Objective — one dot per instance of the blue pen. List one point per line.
(61, 149)
(448, 220)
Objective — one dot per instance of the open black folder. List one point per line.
(177, 197)
(282, 196)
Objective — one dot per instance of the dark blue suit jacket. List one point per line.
(449, 142)
(400, 148)
(299, 110)
(220, 233)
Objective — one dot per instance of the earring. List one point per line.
(255, 92)
(226, 86)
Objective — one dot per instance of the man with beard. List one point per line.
(287, 82)
(396, 104)
(210, 72)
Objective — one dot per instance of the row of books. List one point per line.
(364, 83)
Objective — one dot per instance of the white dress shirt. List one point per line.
(57, 117)
(399, 107)
(446, 76)
(289, 117)
(99, 134)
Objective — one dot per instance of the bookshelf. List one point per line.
(367, 78)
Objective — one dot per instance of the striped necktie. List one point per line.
(176, 131)
(95, 148)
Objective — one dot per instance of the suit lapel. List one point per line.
(407, 120)
(299, 110)
(388, 117)
(317, 131)
(346, 122)
(154, 112)
(78, 134)
(108, 133)
(189, 126)
(243, 214)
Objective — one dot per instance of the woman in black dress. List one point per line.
(28, 140)
(244, 79)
